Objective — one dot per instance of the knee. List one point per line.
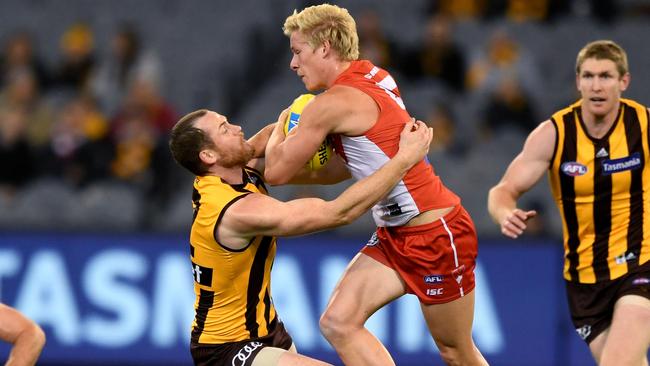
(453, 355)
(335, 324)
(450, 356)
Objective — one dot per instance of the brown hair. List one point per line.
(326, 22)
(604, 50)
(187, 141)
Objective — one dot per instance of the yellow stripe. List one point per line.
(584, 206)
(620, 210)
(643, 121)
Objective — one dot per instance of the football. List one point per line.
(324, 152)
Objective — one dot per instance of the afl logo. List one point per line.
(573, 169)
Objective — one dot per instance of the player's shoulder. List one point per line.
(545, 131)
(338, 100)
(346, 98)
(542, 138)
(247, 206)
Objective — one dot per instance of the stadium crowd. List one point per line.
(84, 125)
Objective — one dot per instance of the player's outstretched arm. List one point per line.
(258, 214)
(26, 337)
(333, 172)
(522, 174)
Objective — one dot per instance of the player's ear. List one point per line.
(625, 81)
(208, 156)
(325, 48)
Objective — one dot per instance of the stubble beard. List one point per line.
(240, 157)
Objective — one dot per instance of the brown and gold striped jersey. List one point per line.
(233, 287)
(602, 188)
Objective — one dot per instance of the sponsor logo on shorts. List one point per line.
(458, 273)
(641, 281)
(573, 168)
(584, 331)
(435, 278)
(624, 258)
(245, 353)
(373, 240)
(434, 291)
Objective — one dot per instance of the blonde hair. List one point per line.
(604, 50)
(325, 22)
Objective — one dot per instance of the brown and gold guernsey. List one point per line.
(602, 189)
(233, 287)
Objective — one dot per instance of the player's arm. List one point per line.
(286, 155)
(258, 214)
(333, 172)
(522, 174)
(260, 140)
(26, 337)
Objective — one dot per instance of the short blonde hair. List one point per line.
(326, 22)
(604, 50)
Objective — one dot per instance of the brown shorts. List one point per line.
(592, 305)
(240, 353)
(435, 260)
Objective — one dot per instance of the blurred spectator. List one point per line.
(527, 10)
(139, 133)
(18, 54)
(79, 151)
(504, 57)
(16, 161)
(460, 9)
(445, 137)
(22, 93)
(78, 59)
(373, 44)
(144, 99)
(604, 11)
(128, 61)
(509, 107)
(438, 57)
(520, 11)
(135, 138)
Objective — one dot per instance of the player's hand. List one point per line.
(414, 142)
(515, 223)
(282, 118)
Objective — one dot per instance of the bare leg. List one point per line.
(365, 287)
(628, 338)
(450, 325)
(596, 346)
(271, 356)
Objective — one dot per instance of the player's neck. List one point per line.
(231, 175)
(599, 125)
(338, 68)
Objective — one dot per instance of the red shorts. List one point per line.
(435, 260)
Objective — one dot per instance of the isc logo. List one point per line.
(434, 291)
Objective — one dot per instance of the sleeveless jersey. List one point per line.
(420, 190)
(602, 189)
(232, 287)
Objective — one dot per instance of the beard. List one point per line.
(238, 157)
